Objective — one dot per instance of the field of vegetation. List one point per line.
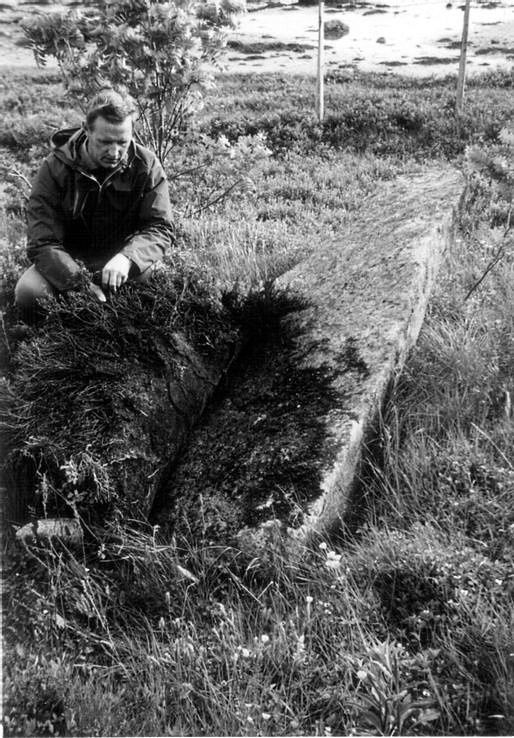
(402, 624)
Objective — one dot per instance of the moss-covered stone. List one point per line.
(259, 451)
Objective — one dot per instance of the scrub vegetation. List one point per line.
(400, 624)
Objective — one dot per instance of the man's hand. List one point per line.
(115, 272)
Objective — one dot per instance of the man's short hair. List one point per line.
(111, 105)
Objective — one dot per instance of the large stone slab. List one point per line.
(283, 438)
(368, 291)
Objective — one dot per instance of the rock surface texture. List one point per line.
(368, 290)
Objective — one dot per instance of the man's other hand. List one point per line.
(115, 272)
(97, 292)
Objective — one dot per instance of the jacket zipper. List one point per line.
(100, 191)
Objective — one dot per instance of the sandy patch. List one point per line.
(414, 37)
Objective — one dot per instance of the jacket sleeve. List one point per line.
(45, 232)
(154, 234)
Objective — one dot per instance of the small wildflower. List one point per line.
(162, 624)
(309, 600)
(323, 546)
(300, 648)
(266, 716)
(333, 560)
(264, 638)
(361, 674)
(245, 653)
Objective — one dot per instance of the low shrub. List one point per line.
(403, 120)
(21, 133)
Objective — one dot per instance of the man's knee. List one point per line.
(31, 286)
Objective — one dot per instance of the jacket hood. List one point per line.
(67, 143)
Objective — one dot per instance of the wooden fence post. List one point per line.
(462, 61)
(321, 62)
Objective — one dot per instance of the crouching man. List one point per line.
(99, 198)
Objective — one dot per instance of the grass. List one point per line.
(403, 624)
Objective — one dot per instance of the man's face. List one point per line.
(107, 143)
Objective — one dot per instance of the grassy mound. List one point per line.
(101, 396)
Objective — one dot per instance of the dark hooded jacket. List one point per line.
(73, 215)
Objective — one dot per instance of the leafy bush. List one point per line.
(206, 171)
(158, 51)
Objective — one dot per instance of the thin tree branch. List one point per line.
(493, 262)
(217, 199)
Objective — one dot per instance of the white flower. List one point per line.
(333, 560)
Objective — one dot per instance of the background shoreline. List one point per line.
(412, 39)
